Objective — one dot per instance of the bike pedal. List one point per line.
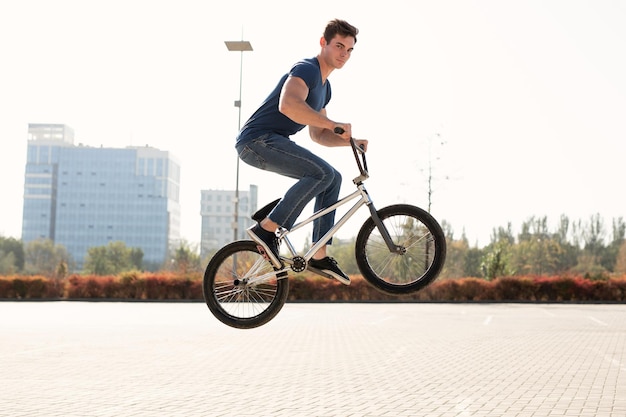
(263, 253)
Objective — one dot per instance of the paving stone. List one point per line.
(168, 359)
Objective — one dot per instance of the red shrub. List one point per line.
(514, 289)
(615, 289)
(476, 289)
(30, 287)
(448, 290)
(91, 286)
(169, 286)
(309, 287)
(6, 287)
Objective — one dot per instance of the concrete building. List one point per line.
(218, 215)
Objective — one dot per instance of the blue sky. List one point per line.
(528, 98)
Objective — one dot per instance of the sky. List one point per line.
(516, 109)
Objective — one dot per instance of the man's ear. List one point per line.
(322, 42)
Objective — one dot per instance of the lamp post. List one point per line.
(241, 47)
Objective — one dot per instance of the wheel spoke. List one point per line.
(241, 288)
(421, 258)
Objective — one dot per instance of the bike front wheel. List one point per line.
(241, 288)
(416, 259)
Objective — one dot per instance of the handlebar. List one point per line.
(361, 162)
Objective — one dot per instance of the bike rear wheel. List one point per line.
(420, 255)
(241, 288)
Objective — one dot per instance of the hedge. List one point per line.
(128, 286)
(170, 286)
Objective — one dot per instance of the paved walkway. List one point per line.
(159, 359)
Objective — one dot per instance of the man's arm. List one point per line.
(328, 137)
(293, 104)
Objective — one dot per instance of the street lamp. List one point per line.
(238, 46)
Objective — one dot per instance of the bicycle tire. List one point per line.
(230, 297)
(423, 256)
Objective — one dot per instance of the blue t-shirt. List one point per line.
(268, 119)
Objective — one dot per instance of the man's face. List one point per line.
(337, 52)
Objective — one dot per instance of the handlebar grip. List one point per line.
(338, 130)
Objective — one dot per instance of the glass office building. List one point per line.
(81, 197)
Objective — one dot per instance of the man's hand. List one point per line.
(361, 143)
(344, 130)
(341, 131)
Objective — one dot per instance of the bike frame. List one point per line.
(363, 199)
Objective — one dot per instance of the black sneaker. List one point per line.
(329, 265)
(267, 243)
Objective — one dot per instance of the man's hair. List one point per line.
(339, 27)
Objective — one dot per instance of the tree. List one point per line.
(185, 259)
(43, 256)
(473, 262)
(136, 258)
(123, 258)
(11, 255)
(97, 261)
(620, 264)
(593, 235)
(113, 258)
(538, 251)
(563, 231)
(495, 263)
(608, 258)
(503, 235)
(7, 263)
(537, 256)
(454, 266)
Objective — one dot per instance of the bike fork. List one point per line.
(393, 248)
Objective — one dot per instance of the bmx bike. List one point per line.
(400, 249)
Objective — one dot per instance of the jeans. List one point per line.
(316, 179)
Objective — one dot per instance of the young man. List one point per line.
(300, 100)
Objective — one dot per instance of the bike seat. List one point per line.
(264, 211)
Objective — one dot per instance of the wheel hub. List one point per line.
(240, 282)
